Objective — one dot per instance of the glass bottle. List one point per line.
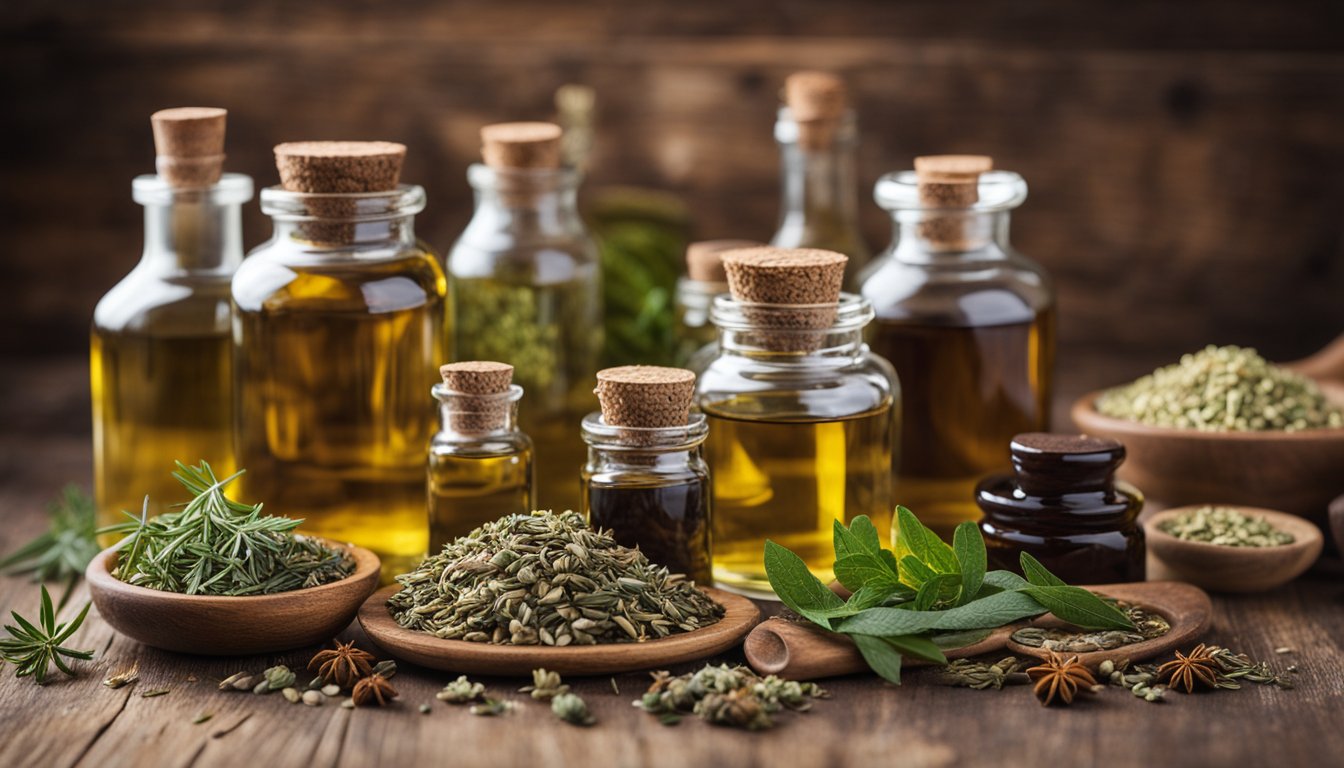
(338, 324)
(160, 359)
(526, 291)
(1062, 504)
(969, 324)
(798, 437)
(480, 464)
(819, 194)
(704, 279)
(650, 487)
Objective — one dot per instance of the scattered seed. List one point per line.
(1284, 649)
(425, 709)
(312, 698)
(124, 677)
(291, 695)
(348, 704)
(202, 717)
(155, 692)
(331, 691)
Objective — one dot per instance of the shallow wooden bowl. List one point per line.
(519, 660)
(231, 626)
(1218, 568)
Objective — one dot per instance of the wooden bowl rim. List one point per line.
(100, 576)
(1087, 417)
(1305, 534)
(740, 616)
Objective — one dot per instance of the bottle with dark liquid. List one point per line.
(645, 479)
(969, 324)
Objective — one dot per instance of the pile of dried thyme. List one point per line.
(724, 695)
(547, 579)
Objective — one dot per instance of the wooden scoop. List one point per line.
(803, 651)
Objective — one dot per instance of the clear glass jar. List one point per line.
(970, 328)
(797, 439)
(160, 358)
(526, 291)
(819, 201)
(650, 487)
(480, 464)
(338, 326)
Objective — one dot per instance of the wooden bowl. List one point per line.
(231, 626)
(1219, 568)
(1337, 524)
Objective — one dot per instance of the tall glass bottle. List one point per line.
(802, 416)
(338, 326)
(160, 361)
(526, 291)
(817, 135)
(969, 324)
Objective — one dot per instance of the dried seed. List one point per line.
(312, 698)
(292, 695)
(331, 691)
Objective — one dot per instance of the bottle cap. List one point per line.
(1049, 464)
(189, 142)
(478, 408)
(339, 167)
(521, 145)
(645, 396)
(817, 101)
(704, 259)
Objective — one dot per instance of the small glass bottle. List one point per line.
(1063, 505)
(704, 280)
(160, 352)
(969, 324)
(645, 480)
(802, 416)
(338, 326)
(817, 135)
(526, 291)
(480, 464)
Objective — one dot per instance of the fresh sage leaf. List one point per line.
(950, 640)
(988, 612)
(937, 590)
(859, 538)
(1037, 574)
(865, 569)
(914, 572)
(1004, 580)
(969, 547)
(917, 647)
(797, 588)
(880, 656)
(1079, 607)
(913, 538)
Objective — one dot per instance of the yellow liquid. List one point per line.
(333, 370)
(789, 481)
(156, 400)
(466, 492)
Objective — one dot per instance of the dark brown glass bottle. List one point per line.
(1063, 505)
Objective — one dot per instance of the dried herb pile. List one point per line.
(1225, 526)
(547, 579)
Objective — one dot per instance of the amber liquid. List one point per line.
(333, 366)
(669, 522)
(789, 481)
(966, 391)
(466, 492)
(157, 400)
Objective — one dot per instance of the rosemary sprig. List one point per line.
(218, 546)
(33, 648)
(64, 550)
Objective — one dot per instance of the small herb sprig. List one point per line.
(32, 648)
(925, 596)
(218, 546)
(64, 550)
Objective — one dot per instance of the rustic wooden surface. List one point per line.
(1185, 159)
(79, 722)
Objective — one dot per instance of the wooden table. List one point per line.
(80, 722)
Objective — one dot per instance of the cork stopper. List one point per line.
(704, 259)
(189, 142)
(646, 396)
(950, 182)
(803, 282)
(817, 101)
(478, 385)
(521, 145)
(339, 167)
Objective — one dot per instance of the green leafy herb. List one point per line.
(33, 648)
(925, 596)
(217, 546)
(65, 549)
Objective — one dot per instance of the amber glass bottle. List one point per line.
(339, 324)
(969, 324)
(160, 359)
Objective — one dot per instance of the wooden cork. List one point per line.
(950, 182)
(337, 168)
(817, 101)
(189, 142)
(803, 284)
(704, 259)
(521, 145)
(478, 384)
(646, 396)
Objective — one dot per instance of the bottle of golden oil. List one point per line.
(526, 291)
(338, 326)
(160, 356)
(802, 417)
(817, 137)
(969, 324)
(480, 465)
(704, 280)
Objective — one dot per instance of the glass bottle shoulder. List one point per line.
(165, 302)
(486, 446)
(283, 275)
(992, 288)
(796, 387)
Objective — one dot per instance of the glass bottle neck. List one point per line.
(466, 418)
(355, 222)
(922, 237)
(542, 201)
(787, 333)
(818, 197)
(193, 230)
(645, 449)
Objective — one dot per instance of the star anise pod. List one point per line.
(1183, 672)
(1059, 679)
(374, 689)
(343, 665)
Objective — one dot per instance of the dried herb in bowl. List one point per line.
(1225, 526)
